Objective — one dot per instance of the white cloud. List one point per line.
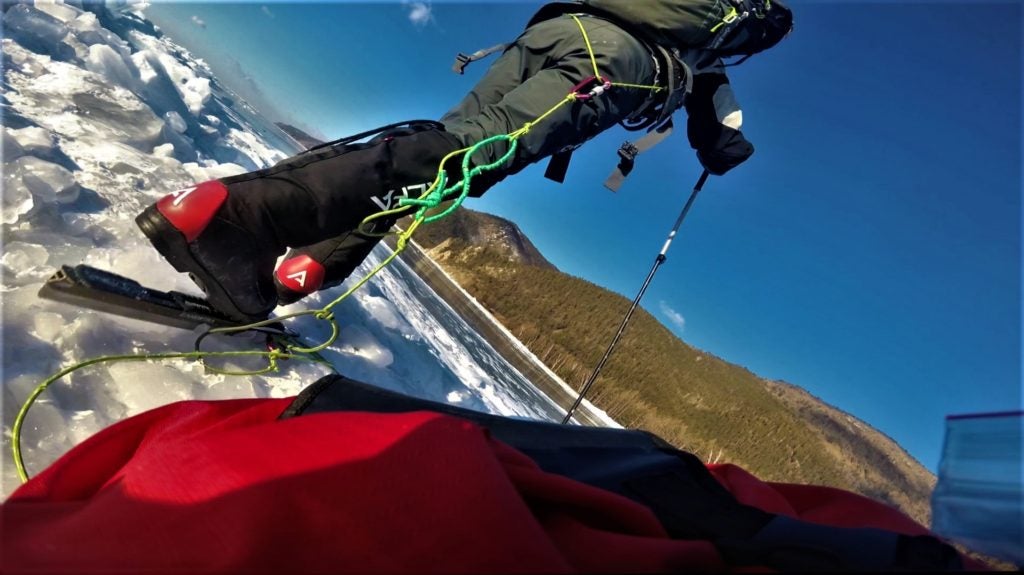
(266, 11)
(420, 13)
(198, 22)
(673, 316)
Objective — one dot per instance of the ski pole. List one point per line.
(636, 301)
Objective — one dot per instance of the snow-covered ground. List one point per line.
(102, 116)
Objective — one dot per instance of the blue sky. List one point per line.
(869, 251)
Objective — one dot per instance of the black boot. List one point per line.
(198, 232)
(321, 266)
(228, 234)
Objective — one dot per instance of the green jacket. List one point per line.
(671, 23)
(714, 118)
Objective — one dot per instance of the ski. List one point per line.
(93, 288)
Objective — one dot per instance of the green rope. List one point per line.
(291, 349)
(19, 420)
(430, 199)
(433, 198)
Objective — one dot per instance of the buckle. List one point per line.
(628, 152)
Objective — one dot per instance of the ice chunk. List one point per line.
(34, 140)
(357, 340)
(147, 73)
(193, 90)
(47, 325)
(11, 148)
(16, 201)
(455, 397)
(22, 258)
(46, 181)
(86, 21)
(83, 425)
(386, 313)
(209, 130)
(213, 172)
(176, 122)
(164, 150)
(89, 32)
(142, 386)
(58, 10)
(44, 434)
(113, 114)
(112, 66)
(253, 148)
(38, 31)
(184, 146)
(226, 388)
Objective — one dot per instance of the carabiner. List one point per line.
(596, 85)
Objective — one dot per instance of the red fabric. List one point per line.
(225, 487)
(814, 503)
(191, 210)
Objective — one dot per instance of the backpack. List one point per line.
(726, 28)
(720, 28)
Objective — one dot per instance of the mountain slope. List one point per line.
(304, 139)
(654, 381)
(476, 230)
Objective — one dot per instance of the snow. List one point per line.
(98, 123)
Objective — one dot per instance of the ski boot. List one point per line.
(197, 231)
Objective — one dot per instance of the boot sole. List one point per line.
(173, 246)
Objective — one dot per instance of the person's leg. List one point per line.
(323, 265)
(546, 62)
(530, 77)
(227, 234)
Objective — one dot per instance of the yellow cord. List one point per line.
(729, 18)
(294, 351)
(593, 61)
(590, 49)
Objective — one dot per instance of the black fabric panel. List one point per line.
(688, 501)
(328, 191)
(602, 457)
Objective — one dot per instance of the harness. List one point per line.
(673, 81)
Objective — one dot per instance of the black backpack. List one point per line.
(724, 27)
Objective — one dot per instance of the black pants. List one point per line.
(530, 77)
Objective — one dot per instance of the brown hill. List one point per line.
(304, 139)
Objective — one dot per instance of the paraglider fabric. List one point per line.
(226, 486)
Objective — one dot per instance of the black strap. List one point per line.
(558, 165)
(462, 60)
(629, 151)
